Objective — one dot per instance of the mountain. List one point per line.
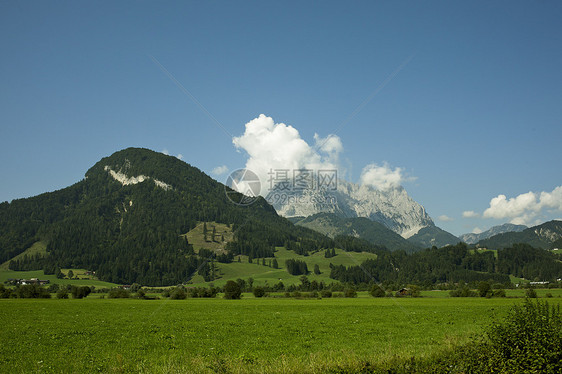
(541, 236)
(393, 208)
(431, 236)
(332, 225)
(126, 219)
(472, 238)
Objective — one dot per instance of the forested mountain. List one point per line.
(472, 238)
(541, 236)
(433, 236)
(333, 225)
(452, 264)
(125, 220)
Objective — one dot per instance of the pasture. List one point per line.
(248, 335)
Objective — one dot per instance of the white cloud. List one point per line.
(477, 230)
(470, 214)
(383, 177)
(220, 170)
(275, 146)
(524, 208)
(166, 152)
(179, 156)
(445, 218)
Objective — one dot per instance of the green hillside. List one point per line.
(376, 233)
(131, 229)
(264, 274)
(547, 235)
(433, 236)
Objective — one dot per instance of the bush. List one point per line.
(118, 293)
(259, 292)
(377, 291)
(350, 292)
(530, 341)
(531, 293)
(326, 293)
(80, 292)
(178, 293)
(62, 293)
(232, 290)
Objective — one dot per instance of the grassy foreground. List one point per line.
(248, 335)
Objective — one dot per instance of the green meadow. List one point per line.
(268, 335)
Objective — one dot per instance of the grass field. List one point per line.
(265, 274)
(83, 280)
(217, 335)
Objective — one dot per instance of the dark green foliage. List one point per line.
(529, 340)
(118, 293)
(196, 292)
(484, 289)
(377, 291)
(317, 269)
(463, 291)
(524, 261)
(31, 291)
(350, 292)
(232, 290)
(296, 267)
(5, 293)
(62, 293)
(258, 292)
(326, 293)
(531, 293)
(133, 233)
(80, 292)
(449, 264)
(275, 264)
(529, 236)
(178, 293)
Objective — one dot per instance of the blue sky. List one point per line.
(467, 95)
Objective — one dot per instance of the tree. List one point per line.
(205, 231)
(59, 273)
(317, 269)
(484, 289)
(377, 291)
(259, 292)
(62, 293)
(70, 274)
(232, 290)
(275, 264)
(214, 233)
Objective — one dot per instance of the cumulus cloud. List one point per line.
(383, 177)
(276, 146)
(220, 170)
(470, 214)
(166, 152)
(524, 208)
(445, 218)
(477, 230)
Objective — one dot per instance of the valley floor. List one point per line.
(266, 335)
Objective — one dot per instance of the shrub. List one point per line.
(178, 293)
(232, 290)
(531, 293)
(62, 293)
(80, 292)
(350, 292)
(258, 292)
(326, 293)
(118, 293)
(377, 291)
(530, 341)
